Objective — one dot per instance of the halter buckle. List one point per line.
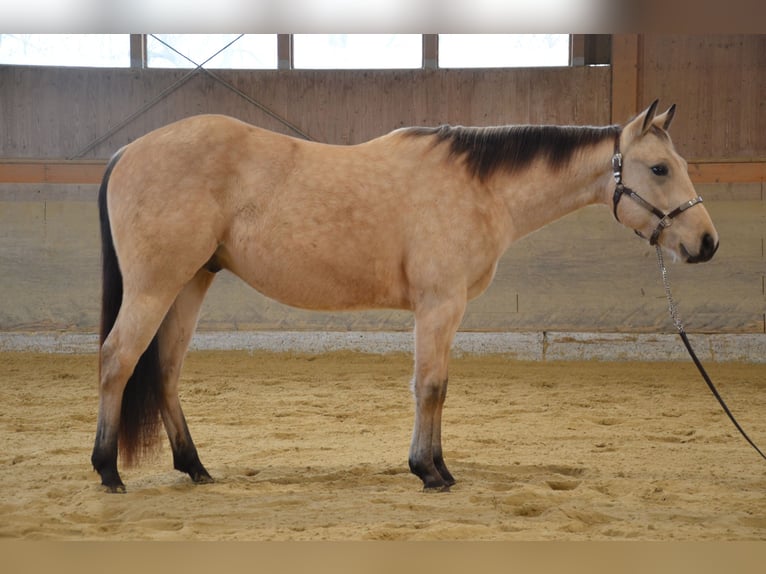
(693, 202)
(617, 166)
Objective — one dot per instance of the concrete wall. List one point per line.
(600, 278)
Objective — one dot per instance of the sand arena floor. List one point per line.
(314, 447)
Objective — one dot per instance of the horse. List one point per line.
(416, 219)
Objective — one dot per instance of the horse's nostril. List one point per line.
(708, 247)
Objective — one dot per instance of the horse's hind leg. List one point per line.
(435, 327)
(174, 337)
(129, 338)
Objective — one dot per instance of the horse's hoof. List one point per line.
(441, 488)
(436, 485)
(203, 479)
(114, 488)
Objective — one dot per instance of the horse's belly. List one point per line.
(300, 280)
(319, 292)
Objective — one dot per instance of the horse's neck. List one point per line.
(540, 195)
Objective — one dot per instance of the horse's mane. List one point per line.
(512, 148)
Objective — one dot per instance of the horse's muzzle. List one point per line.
(708, 247)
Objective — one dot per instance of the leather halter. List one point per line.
(665, 219)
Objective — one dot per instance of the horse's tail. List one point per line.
(140, 412)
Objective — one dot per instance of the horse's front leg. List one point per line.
(435, 326)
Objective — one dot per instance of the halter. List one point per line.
(665, 219)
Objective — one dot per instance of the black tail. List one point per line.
(140, 413)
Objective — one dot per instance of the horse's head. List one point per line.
(662, 204)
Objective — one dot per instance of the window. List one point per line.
(309, 51)
(503, 50)
(251, 51)
(358, 51)
(101, 50)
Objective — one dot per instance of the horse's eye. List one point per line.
(660, 169)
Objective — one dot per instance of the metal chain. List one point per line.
(672, 306)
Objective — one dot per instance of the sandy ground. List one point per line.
(314, 447)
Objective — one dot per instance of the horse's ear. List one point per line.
(665, 119)
(649, 116)
(640, 124)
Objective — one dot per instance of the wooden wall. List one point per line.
(58, 112)
(583, 273)
(720, 84)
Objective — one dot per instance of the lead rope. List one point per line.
(673, 308)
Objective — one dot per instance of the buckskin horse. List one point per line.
(416, 219)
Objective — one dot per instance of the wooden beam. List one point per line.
(625, 75)
(727, 172)
(430, 51)
(91, 171)
(285, 51)
(138, 57)
(51, 171)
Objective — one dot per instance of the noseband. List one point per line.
(665, 219)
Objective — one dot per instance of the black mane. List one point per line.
(512, 148)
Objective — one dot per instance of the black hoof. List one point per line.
(442, 488)
(201, 477)
(110, 480)
(188, 462)
(114, 488)
(433, 481)
(446, 475)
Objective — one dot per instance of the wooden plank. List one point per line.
(75, 106)
(51, 171)
(91, 171)
(727, 172)
(718, 82)
(625, 73)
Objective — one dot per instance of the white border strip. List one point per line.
(313, 16)
(547, 346)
